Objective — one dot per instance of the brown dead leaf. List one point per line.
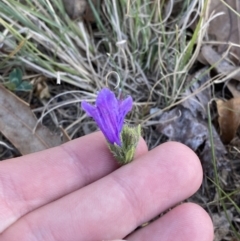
(226, 27)
(88, 15)
(229, 118)
(17, 123)
(234, 87)
(179, 124)
(41, 87)
(75, 8)
(222, 66)
(81, 9)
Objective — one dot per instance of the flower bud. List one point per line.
(129, 139)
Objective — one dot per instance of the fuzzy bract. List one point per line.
(109, 113)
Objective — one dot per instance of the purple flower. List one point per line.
(109, 114)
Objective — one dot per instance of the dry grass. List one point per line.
(148, 53)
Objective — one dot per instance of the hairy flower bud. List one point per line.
(129, 137)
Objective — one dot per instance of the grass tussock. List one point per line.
(143, 48)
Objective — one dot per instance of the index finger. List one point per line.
(117, 204)
(31, 181)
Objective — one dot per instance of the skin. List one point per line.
(78, 192)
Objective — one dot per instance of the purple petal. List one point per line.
(90, 110)
(124, 107)
(109, 114)
(93, 112)
(106, 97)
(107, 106)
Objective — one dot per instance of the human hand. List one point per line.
(78, 192)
